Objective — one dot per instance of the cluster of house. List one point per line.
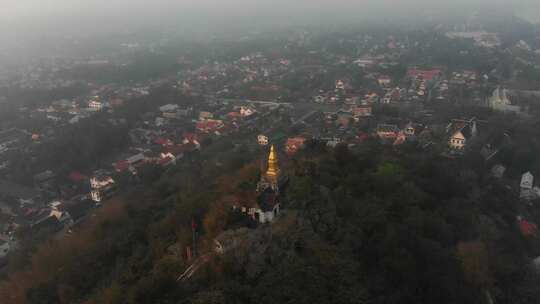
(391, 133)
(104, 98)
(419, 84)
(459, 133)
(210, 123)
(480, 37)
(378, 58)
(160, 143)
(11, 140)
(420, 80)
(342, 118)
(414, 88)
(245, 70)
(166, 140)
(465, 77)
(24, 206)
(344, 93)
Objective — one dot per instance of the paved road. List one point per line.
(306, 116)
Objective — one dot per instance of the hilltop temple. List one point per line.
(270, 189)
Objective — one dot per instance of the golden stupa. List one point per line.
(272, 177)
(273, 168)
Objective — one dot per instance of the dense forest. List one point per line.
(364, 225)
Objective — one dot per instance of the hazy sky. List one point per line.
(28, 27)
(33, 16)
(15, 9)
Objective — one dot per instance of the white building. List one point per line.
(169, 108)
(102, 186)
(340, 85)
(264, 215)
(262, 140)
(97, 182)
(246, 111)
(384, 80)
(409, 130)
(527, 180)
(203, 115)
(526, 186)
(61, 216)
(4, 248)
(95, 105)
(53, 118)
(319, 99)
(364, 62)
(332, 143)
(160, 121)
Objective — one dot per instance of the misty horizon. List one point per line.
(29, 28)
(28, 15)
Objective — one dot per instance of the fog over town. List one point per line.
(269, 151)
(33, 24)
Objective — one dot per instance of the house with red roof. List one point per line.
(387, 131)
(362, 137)
(209, 125)
(131, 163)
(400, 139)
(163, 141)
(361, 111)
(234, 116)
(121, 166)
(427, 75)
(527, 228)
(190, 137)
(294, 144)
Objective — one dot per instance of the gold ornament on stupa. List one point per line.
(273, 168)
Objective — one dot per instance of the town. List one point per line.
(85, 131)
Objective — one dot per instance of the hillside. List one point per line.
(369, 225)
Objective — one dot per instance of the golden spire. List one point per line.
(273, 169)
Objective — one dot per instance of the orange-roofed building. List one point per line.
(209, 126)
(362, 111)
(527, 228)
(234, 116)
(294, 144)
(427, 75)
